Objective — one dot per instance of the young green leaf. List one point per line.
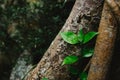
(80, 35)
(89, 36)
(70, 60)
(83, 76)
(44, 79)
(87, 52)
(70, 37)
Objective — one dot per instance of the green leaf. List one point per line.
(73, 70)
(70, 60)
(89, 36)
(44, 79)
(87, 52)
(80, 35)
(83, 76)
(70, 37)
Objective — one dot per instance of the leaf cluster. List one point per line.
(79, 38)
(82, 38)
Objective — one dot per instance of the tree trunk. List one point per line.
(114, 5)
(104, 45)
(85, 14)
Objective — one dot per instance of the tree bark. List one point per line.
(85, 14)
(114, 5)
(104, 45)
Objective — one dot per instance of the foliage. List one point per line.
(70, 37)
(80, 35)
(29, 24)
(83, 76)
(87, 52)
(73, 70)
(70, 60)
(89, 36)
(44, 79)
(82, 39)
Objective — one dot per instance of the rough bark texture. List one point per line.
(114, 5)
(86, 14)
(104, 45)
(114, 72)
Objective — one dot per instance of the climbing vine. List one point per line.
(80, 38)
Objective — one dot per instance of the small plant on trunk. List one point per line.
(79, 38)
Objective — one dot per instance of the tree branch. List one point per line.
(104, 45)
(114, 6)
